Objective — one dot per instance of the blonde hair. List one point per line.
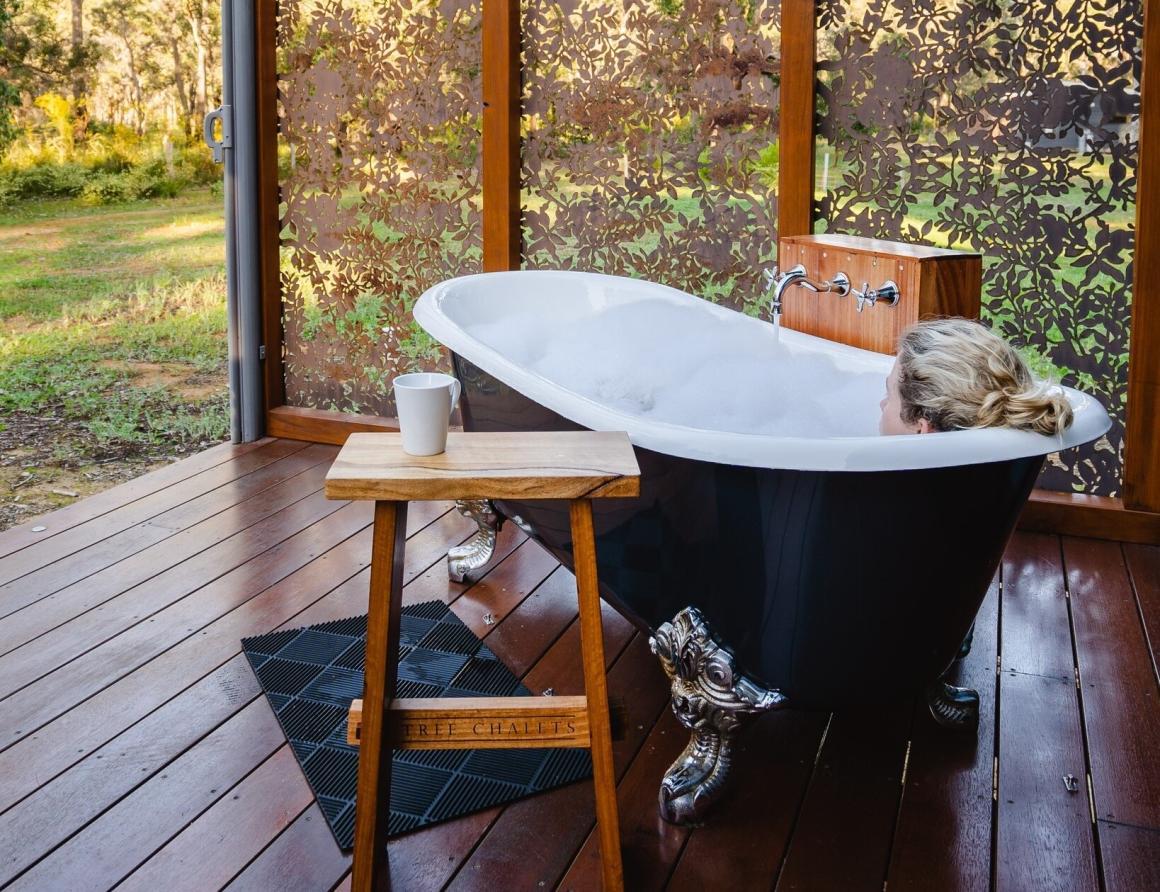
(958, 374)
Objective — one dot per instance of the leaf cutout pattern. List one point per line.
(379, 134)
(1010, 128)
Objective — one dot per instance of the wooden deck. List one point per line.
(137, 751)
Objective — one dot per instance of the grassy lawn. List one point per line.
(112, 344)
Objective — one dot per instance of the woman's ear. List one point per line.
(925, 427)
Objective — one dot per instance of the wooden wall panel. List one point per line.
(933, 282)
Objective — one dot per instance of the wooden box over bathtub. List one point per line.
(932, 281)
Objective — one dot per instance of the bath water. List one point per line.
(682, 365)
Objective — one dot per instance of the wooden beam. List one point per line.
(1095, 517)
(1142, 445)
(501, 135)
(795, 177)
(321, 425)
(448, 723)
(269, 223)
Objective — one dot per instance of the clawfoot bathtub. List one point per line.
(781, 553)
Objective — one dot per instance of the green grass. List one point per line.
(56, 254)
(115, 321)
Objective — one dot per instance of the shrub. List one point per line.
(147, 181)
(42, 181)
(115, 165)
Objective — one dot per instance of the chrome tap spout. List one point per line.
(777, 283)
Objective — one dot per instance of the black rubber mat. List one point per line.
(310, 675)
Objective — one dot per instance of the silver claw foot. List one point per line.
(474, 554)
(712, 700)
(955, 708)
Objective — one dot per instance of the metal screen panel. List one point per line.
(1010, 128)
(379, 120)
(650, 140)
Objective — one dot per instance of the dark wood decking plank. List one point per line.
(304, 858)
(175, 806)
(61, 519)
(539, 619)
(554, 669)
(649, 846)
(1121, 700)
(223, 564)
(54, 812)
(183, 530)
(228, 835)
(110, 643)
(60, 546)
(1130, 856)
(1144, 568)
(851, 804)
(127, 834)
(35, 760)
(745, 838)
(1036, 627)
(143, 568)
(566, 816)
(176, 811)
(499, 593)
(943, 836)
(1044, 833)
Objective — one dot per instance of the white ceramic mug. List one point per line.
(425, 401)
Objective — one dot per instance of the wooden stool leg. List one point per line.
(374, 760)
(596, 690)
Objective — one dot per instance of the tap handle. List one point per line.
(888, 293)
(770, 274)
(864, 296)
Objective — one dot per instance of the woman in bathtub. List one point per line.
(955, 374)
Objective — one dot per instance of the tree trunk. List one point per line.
(138, 96)
(79, 86)
(184, 100)
(197, 32)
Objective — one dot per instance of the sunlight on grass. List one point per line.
(121, 291)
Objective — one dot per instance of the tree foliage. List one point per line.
(145, 65)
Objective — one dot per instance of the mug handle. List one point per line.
(456, 391)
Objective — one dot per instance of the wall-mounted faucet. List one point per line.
(777, 283)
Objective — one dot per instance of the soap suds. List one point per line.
(682, 365)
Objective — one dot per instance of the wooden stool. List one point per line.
(574, 465)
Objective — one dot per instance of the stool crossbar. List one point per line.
(575, 465)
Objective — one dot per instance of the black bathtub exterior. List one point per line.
(835, 588)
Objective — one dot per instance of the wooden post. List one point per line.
(795, 178)
(371, 871)
(501, 135)
(1142, 445)
(596, 690)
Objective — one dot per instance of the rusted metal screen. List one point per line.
(379, 115)
(650, 140)
(1011, 129)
